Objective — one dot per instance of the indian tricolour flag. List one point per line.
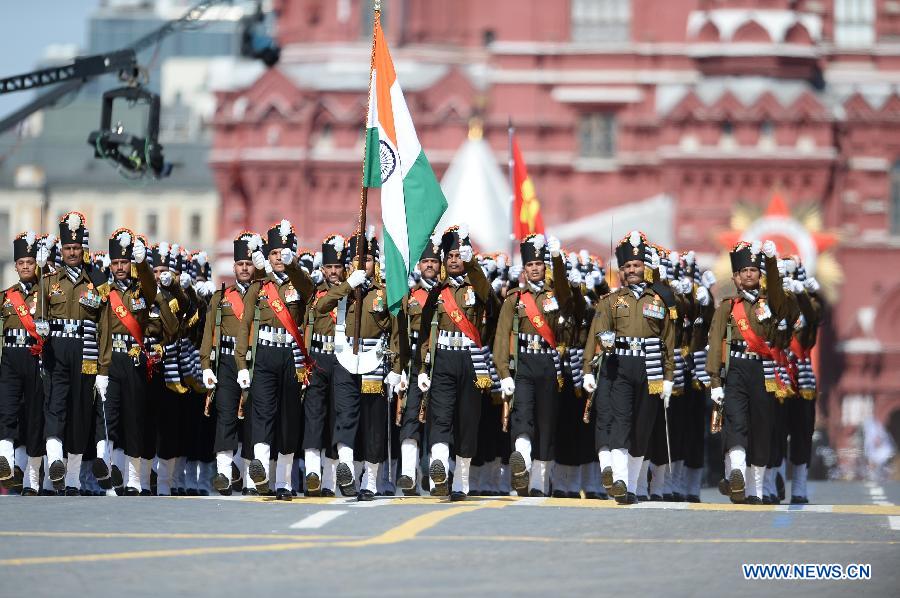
(412, 202)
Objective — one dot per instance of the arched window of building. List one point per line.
(601, 20)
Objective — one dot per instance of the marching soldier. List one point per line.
(126, 361)
(23, 335)
(453, 361)
(801, 410)
(359, 402)
(320, 399)
(635, 324)
(747, 322)
(410, 320)
(279, 357)
(224, 320)
(75, 294)
(532, 317)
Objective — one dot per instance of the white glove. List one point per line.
(589, 383)
(686, 286)
(769, 249)
(717, 395)
(797, 287)
(507, 387)
(466, 253)
(666, 393)
(702, 296)
(287, 256)
(501, 261)
(811, 285)
(497, 284)
(553, 246)
(424, 382)
(593, 279)
(209, 379)
(166, 279)
(608, 339)
(356, 278)
(42, 254)
(184, 280)
(139, 252)
(404, 382)
(259, 260)
(708, 279)
(101, 383)
(392, 379)
(316, 276)
(515, 271)
(575, 276)
(243, 379)
(654, 259)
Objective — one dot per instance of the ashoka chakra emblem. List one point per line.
(388, 160)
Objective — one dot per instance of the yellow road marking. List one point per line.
(401, 533)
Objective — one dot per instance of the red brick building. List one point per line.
(678, 115)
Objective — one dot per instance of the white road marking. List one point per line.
(378, 502)
(317, 520)
(529, 501)
(806, 508)
(672, 506)
(894, 522)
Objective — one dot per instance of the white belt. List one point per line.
(275, 337)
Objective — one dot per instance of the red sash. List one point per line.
(797, 349)
(134, 329)
(236, 301)
(537, 319)
(18, 302)
(287, 321)
(333, 312)
(420, 295)
(459, 317)
(755, 343)
(127, 320)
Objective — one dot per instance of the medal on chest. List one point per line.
(621, 302)
(138, 304)
(654, 310)
(89, 298)
(378, 304)
(56, 289)
(290, 294)
(470, 297)
(549, 303)
(762, 311)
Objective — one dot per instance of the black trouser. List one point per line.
(277, 412)
(125, 405)
(801, 425)
(602, 411)
(779, 431)
(634, 410)
(410, 426)
(569, 424)
(489, 426)
(168, 423)
(151, 420)
(69, 407)
(694, 426)
(534, 412)
(317, 403)
(21, 400)
(200, 431)
(225, 405)
(454, 406)
(748, 410)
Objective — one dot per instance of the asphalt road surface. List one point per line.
(213, 546)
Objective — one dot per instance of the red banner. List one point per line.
(527, 217)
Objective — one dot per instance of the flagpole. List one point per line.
(512, 197)
(364, 193)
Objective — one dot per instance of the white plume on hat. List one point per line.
(317, 259)
(105, 259)
(435, 239)
(370, 232)
(49, 240)
(584, 256)
(674, 257)
(634, 238)
(538, 241)
(163, 249)
(689, 257)
(755, 247)
(73, 221)
(462, 231)
(337, 242)
(284, 228)
(201, 258)
(253, 243)
(124, 239)
(30, 236)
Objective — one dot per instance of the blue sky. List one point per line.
(31, 26)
